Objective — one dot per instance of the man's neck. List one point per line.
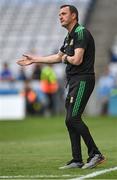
(70, 27)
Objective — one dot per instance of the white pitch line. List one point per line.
(96, 173)
(37, 176)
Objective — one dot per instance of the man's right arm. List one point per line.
(30, 59)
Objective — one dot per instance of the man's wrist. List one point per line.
(65, 60)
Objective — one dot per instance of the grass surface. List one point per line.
(39, 146)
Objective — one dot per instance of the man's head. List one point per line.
(68, 15)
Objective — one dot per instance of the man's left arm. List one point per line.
(80, 45)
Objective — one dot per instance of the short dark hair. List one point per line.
(72, 8)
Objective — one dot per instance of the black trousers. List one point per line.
(77, 98)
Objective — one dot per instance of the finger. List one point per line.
(27, 56)
(20, 62)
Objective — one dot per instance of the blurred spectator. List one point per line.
(22, 75)
(59, 69)
(6, 74)
(33, 106)
(36, 72)
(60, 73)
(113, 54)
(105, 85)
(113, 69)
(49, 86)
(113, 59)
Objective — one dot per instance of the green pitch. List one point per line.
(36, 147)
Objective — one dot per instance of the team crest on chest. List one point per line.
(71, 99)
(71, 42)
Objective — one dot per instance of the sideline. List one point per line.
(96, 173)
(38, 176)
(91, 175)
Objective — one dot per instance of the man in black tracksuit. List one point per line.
(78, 53)
(81, 81)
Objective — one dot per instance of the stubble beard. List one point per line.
(64, 25)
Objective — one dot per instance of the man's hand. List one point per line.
(64, 60)
(26, 60)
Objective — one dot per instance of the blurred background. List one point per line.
(32, 26)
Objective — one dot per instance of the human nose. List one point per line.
(60, 17)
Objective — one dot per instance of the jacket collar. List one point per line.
(73, 29)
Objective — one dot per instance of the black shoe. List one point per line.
(94, 161)
(72, 164)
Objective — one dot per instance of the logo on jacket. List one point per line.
(71, 42)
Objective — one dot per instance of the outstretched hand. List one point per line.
(26, 60)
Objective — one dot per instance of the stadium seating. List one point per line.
(32, 25)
